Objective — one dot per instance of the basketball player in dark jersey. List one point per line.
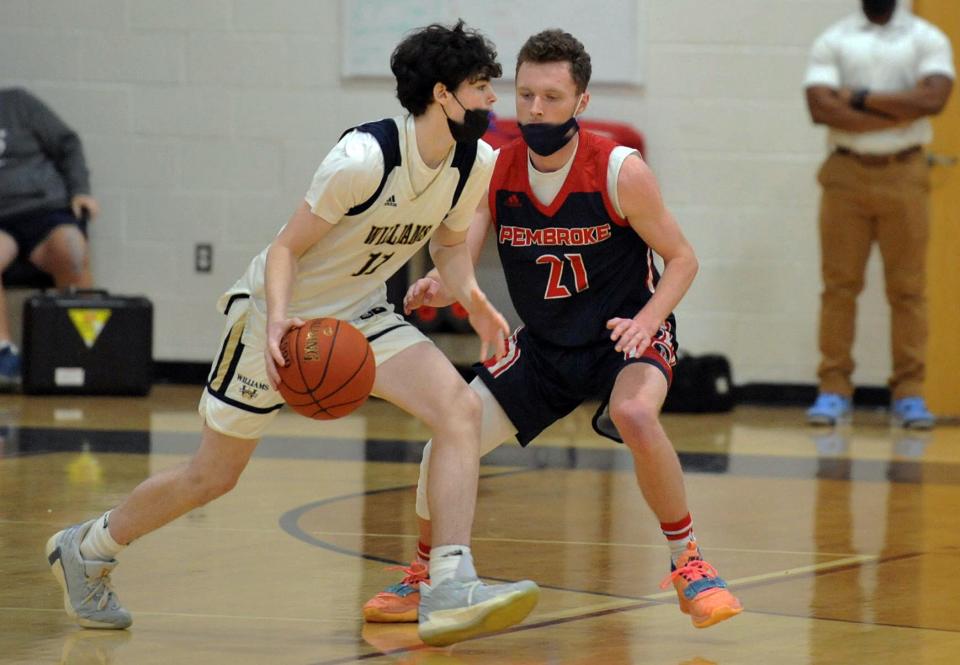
(577, 221)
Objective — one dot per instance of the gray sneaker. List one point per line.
(463, 607)
(87, 594)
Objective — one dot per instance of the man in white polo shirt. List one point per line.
(874, 79)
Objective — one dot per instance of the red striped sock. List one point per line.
(423, 552)
(678, 534)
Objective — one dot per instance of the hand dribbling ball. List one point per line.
(329, 368)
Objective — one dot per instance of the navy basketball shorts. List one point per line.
(29, 230)
(538, 383)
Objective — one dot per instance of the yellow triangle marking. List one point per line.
(89, 323)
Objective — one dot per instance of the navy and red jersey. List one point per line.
(575, 264)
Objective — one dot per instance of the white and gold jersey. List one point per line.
(385, 204)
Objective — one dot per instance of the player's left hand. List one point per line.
(631, 336)
(272, 357)
(489, 324)
(422, 292)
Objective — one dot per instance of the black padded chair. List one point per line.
(23, 274)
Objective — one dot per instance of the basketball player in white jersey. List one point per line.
(386, 189)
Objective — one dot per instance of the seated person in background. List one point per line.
(44, 195)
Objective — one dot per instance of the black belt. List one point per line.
(881, 160)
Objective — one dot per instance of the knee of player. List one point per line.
(453, 413)
(850, 288)
(466, 407)
(205, 487)
(901, 293)
(68, 259)
(635, 418)
(77, 261)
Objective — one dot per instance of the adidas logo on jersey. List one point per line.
(392, 202)
(513, 201)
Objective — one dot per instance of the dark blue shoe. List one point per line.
(912, 413)
(829, 409)
(9, 365)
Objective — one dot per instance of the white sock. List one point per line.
(678, 547)
(98, 544)
(446, 559)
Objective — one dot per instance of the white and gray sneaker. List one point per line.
(462, 607)
(87, 595)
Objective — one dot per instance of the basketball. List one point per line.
(329, 369)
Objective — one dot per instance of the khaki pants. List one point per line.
(861, 204)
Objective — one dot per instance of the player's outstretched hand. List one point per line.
(489, 324)
(272, 358)
(421, 292)
(631, 336)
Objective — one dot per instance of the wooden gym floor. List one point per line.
(844, 545)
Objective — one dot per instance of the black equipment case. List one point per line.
(87, 342)
(701, 384)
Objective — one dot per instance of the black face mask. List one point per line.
(475, 124)
(878, 8)
(545, 138)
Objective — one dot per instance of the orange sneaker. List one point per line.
(703, 594)
(398, 603)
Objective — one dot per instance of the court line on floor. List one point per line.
(669, 595)
(569, 615)
(289, 523)
(543, 541)
(606, 609)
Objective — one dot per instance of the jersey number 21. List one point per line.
(554, 288)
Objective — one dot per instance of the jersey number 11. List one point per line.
(376, 260)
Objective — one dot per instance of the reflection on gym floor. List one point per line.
(839, 542)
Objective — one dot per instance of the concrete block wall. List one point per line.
(204, 121)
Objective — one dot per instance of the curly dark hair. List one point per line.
(558, 46)
(440, 54)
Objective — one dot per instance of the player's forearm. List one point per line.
(906, 105)
(836, 108)
(279, 274)
(454, 266)
(475, 239)
(848, 119)
(678, 274)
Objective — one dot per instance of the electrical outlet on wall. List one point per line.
(203, 257)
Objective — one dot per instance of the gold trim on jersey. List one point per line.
(231, 347)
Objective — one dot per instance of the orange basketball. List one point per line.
(329, 368)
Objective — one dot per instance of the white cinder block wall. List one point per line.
(204, 120)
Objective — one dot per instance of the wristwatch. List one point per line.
(859, 99)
